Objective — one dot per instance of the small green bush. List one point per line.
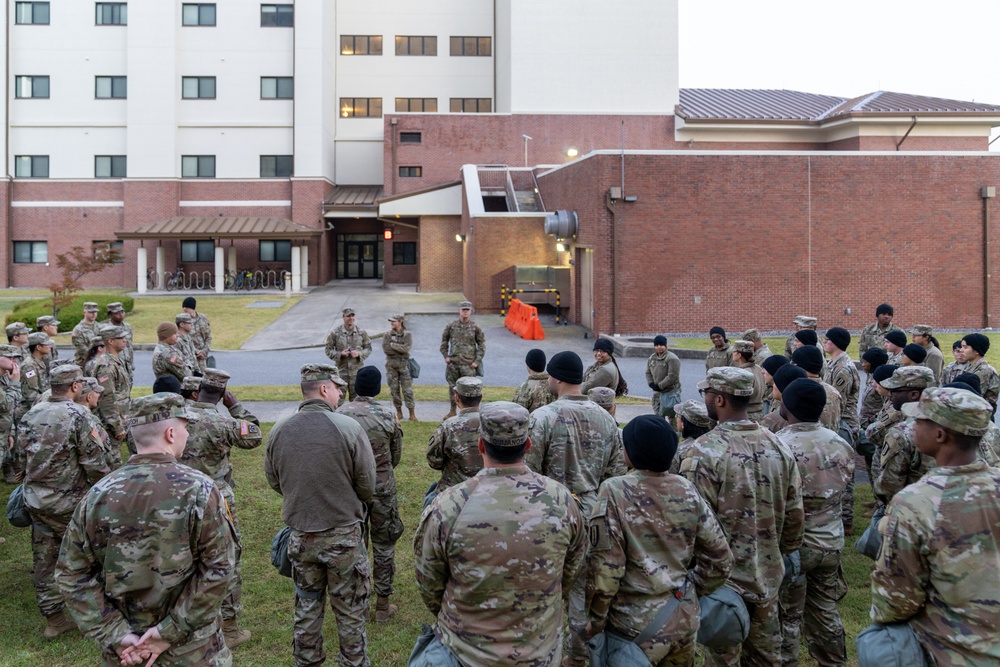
(69, 316)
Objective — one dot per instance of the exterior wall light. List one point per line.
(572, 152)
(460, 238)
(562, 247)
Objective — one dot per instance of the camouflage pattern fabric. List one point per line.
(717, 358)
(755, 408)
(464, 344)
(600, 375)
(10, 412)
(989, 381)
(874, 336)
(168, 360)
(843, 375)
(871, 404)
(201, 339)
(951, 371)
(151, 512)
(396, 346)
(112, 449)
(495, 557)
(128, 354)
(762, 353)
(833, 410)
(339, 340)
(808, 604)
(989, 445)
(34, 381)
(187, 350)
(113, 405)
(454, 448)
(900, 462)
(934, 361)
(534, 392)
(83, 335)
(645, 531)
(665, 372)
(937, 566)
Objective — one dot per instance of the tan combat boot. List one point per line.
(413, 415)
(399, 413)
(383, 610)
(57, 624)
(232, 634)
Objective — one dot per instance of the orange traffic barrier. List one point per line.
(534, 329)
(513, 314)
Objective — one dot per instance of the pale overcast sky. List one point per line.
(846, 48)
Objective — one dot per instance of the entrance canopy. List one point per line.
(221, 228)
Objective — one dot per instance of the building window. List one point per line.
(410, 137)
(416, 104)
(104, 248)
(411, 172)
(276, 87)
(198, 87)
(275, 251)
(110, 87)
(416, 45)
(197, 251)
(198, 166)
(471, 46)
(112, 13)
(31, 166)
(31, 86)
(471, 105)
(404, 252)
(31, 252)
(275, 166)
(31, 13)
(361, 45)
(109, 166)
(276, 15)
(360, 107)
(198, 14)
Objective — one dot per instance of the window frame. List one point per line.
(33, 166)
(354, 107)
(112, 80)
(278, 80)
(200, 6)
(35, 80)
(32, 5)
(411, 171)
(122, 8)
(411, 137)
(114, 161)
(200, 80)
(423, 103)
(276, 255)
(404, 253)
(200, 161)
(31, 252)
(199, 245)
(105, 247)
(424, 43)
(278, 7)
(354, 43)
(464, 100)
(462, 44)
(279, 160)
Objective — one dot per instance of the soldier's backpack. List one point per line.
(279, 552)
(892, 645)
(870, 541)
(414, 368)
(17, 510)
(621, 389)
(725, 621)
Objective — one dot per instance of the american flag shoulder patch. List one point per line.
(95, 433)
(103, 379)
(244, 428)
(173, 359)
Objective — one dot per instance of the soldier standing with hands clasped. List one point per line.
(348, 346)
(463, 346)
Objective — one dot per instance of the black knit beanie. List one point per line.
(978, 342)
(717, 330)
(972, 380)
(786, 375)
(804, 399)
(883, 309)
(535, 360)
(915, 352)
(809, 359)
(660, 340)
(650, 443)
(566, 367)
(884, 371)
(896, 337)
(807, 337)
(840, 337)
(605, 345)
(773, 363)
(189, 302)
(368, 382)
(875, 356)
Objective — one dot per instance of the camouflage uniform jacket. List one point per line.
(600, 375)
(773, 421)
(871, 403)
(752, 483)
(10, 408)
(34, 381)
(534, 392)
(150, 545)
(900, 463)
(790, 346)
(645, 531)
(187, 350)
(717, 357)
(383, 432)
(895, 359)
(112, 450)
(951, 371)
(396, 345)
(989, 446)
(464, 343)
(937, 566)
(214, 435)
(682, 448)
(664, 371)
(83, 335)
(495, 557)
(989, 381)
(934, 361)
(340, 339)
(65, 456)
(843, 375)
(201, 335)
(761, 354)
(454, 448)
(833, 410)
(756, 404)
(886, 418)
(168, 360)
(577, 443)
(873, 335)
(128, 354)
(826, 466)
(113, 405)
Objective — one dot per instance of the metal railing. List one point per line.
(500, 178)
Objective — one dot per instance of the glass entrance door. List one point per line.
(359, 256)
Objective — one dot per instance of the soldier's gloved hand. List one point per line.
(654, 386)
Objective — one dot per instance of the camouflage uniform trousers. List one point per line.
(811, 600)
(332, 561)
(577, 652)
(210, 651)
(348, 375)
(397, 373)
(847, 500)
(231, 604)
(452, 372)
(46, 537)
(762, 648)
(385, 529)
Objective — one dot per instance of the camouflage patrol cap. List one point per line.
(55, 363)
(956, 409)
(695, 412)
(17, 329)
(909, 377)
(397, 318)
(750, 335)
(183, 318)
(110, 332)
(921, 330)
(67, 374)
(191, 383)
(743, 346)
(319, 372)
(469, 386)
(45, 321)
(11, 352)
(729, 380)
(96, 342)
(503, 424)
(465, 305)
(215, 378)
(40, 338)
(603, 396)
(347, 311)
(90, 307)
(160, 407)
(805, 321)
(91, 385)
(115, 307)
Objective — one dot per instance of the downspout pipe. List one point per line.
(912, 125)
(987, 193)
(609, 203)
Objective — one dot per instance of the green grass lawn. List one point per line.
(267, 597)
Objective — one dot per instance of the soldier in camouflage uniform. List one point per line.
(604, 371)
(463, 346)
(34, 372)
(454, 447)
(743, 358)
(691, 423)
(751, 482)
(768, 368)
(577, 443)
(784, 376)
(801, 322)
(17, 335)
(871, 402)
(396, 344)
(873, 335)
(721, 352)
(385, 526)
(50, 327)
(808, 602)
(956, 367)
(496, 555)
(348, 346)
(185, 344)
(974, 348)
(201, 332)
(923, 335)
(64, 457)
(663, 375)
(760, 349)
(887, 417)
(116, 317)
(112, 374)
(605, 398)
(810, 359)
(10, 411)
(646, 530)
(322, 464)
(534, 392)
(894, 342)
(208, 448)
(90, 394)
(85, 332)
(989, 444)
(842, 375)
(167, 359)
(936, 569)
(900, 462)
(151, 512)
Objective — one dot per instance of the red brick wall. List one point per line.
(440, 264)
(500, 244)
(404, 273)
(734, 230)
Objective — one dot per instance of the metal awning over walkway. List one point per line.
(221, 228)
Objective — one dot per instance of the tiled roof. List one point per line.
(733, 104)
(353, 196)
(221, 227)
